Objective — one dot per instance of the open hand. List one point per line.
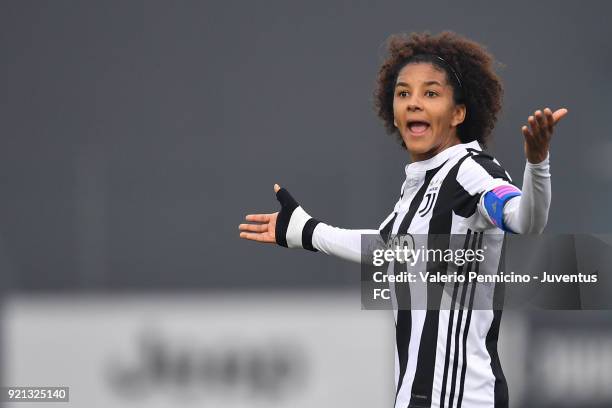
(539, 133)
(264, 230)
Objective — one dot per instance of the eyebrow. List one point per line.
(432, 82)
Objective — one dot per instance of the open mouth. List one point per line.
(418, 127)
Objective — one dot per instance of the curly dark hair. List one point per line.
(480, 89)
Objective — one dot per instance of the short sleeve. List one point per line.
(484, 179)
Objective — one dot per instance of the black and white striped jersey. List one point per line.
(446, 351)
(446, 338)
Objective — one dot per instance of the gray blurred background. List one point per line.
(137, 135)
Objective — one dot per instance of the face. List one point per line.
(424, 111)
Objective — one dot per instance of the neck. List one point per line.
(448, 142)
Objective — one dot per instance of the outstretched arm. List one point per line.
(292, 227)
(526, 211)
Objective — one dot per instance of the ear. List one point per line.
(459, 114)
(394, 123)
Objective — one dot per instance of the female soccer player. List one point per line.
(441, 98)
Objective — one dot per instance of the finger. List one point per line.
(256, 237)
(287, 201)
(526, 132)
(253, 227)
(559, 114)
(541, 123)
(258, 217)
(534, 126)
(550, 122)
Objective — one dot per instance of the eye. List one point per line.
(431, 94)
(402, 94)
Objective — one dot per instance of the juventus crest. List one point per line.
(430, 198)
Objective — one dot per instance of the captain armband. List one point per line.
(494, 202)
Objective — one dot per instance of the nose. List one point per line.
(414, 104)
